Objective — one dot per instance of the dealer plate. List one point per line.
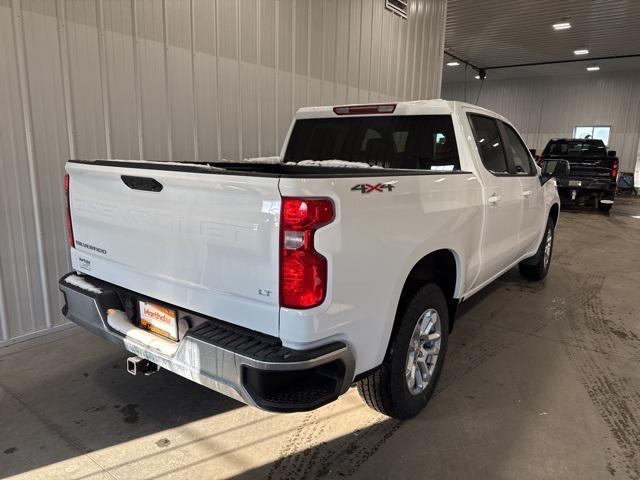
(158, 319)
(575, 183)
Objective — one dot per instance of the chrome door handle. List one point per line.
(527, 193)
(495, 198)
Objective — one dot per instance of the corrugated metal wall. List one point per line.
(546, 107)
(173, 80)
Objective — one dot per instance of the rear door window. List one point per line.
(520, 158)
(423, 142)
(489, 143)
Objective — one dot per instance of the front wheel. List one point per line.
(537, 267)
(402, 386)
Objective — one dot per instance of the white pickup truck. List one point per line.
(283, 284)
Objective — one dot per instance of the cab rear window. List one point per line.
(418, 142)
(575, 148)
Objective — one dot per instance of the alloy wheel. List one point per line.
(424, 348)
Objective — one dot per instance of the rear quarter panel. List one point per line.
(371, 247)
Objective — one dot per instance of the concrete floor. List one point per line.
(541, 381)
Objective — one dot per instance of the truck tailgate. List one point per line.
(590, 168)
(206, 242)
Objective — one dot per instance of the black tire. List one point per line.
(386, 389)
(535, 268)
(605, 207)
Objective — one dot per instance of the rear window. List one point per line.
(424, 142)
(575, 148)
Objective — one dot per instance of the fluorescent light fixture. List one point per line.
(495, 145)
(477, 77)
(452, 64)
(561, 26)
(594, 68)
(583, 51)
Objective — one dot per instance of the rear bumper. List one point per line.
(587, 191)
(242, 364)
(586, 184)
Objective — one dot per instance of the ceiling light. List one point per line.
(561, 26)
(452, 64)
(594, 68)
(477, 77)
(583, 51)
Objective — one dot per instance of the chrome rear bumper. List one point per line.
(242, 364)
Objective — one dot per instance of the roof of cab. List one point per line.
(436, 106)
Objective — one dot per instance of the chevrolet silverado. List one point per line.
(282, 284)
(589, 171)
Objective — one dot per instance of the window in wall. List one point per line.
(597, 132)
(398, 6)
(489, 143)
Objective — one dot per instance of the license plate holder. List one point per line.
(158, 319)
(575, 183)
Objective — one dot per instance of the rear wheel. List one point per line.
(402, 386)
(537, 267)
(605, 207)
(604, 202)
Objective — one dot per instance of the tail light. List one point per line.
(70, 238)
(303, 271)
(614, 169)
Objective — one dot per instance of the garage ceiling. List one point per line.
(493, 33)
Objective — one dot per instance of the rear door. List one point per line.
(502, 199)
(198, 239)
(522, 166)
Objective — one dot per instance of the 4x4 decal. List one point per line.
(378, 187)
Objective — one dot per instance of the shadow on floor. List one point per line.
(341, 457)
(73, 396)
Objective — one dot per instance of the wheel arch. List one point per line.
(554, 213)
(441, 267)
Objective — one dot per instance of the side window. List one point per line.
(489, 143)
(517, 151)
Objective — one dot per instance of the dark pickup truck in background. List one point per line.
(584, 169)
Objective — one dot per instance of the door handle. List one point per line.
(527, 193)
(495, 198)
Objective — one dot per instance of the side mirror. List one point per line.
(611, 153)
(554, 168)
(532, 151)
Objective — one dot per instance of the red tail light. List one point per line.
(70, 238)
(614, 169)
(303, 271)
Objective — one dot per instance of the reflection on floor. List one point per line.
(541, 381)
